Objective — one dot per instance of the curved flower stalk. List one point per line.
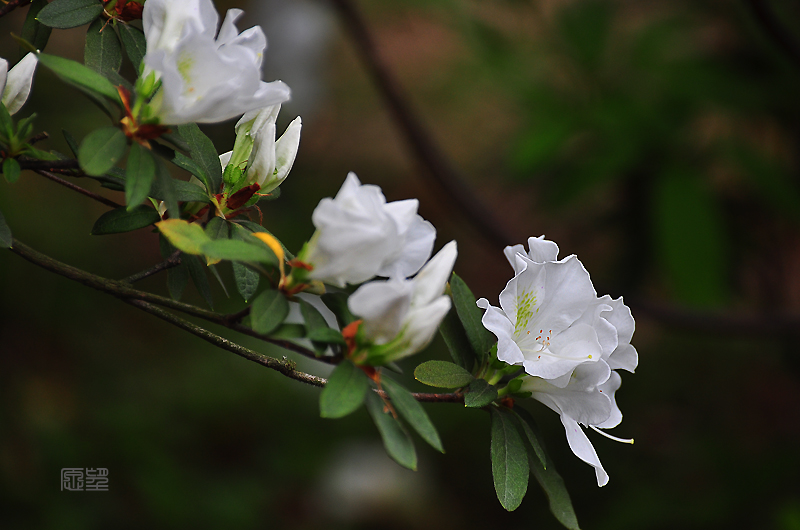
(359, 236)
(400, 316)
(265, 161)
(15, 84)
(203, 79)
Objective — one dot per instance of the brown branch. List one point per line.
(75, 187)
(427, 397)
(451, 184)
(12, 5)
(172, 261)
(34, 164)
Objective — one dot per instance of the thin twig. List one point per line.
(36, 138)
(172, 261)
(75, 187)
(284, 366)
(12, 5)
(452, 185)
(34, 164)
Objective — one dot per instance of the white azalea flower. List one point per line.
(588, 399)
(15, 85)
(267, 161)
(359, 235)
(204, 79)
(401, 316)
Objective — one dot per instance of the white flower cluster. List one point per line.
(359, 236)
(206, 76)
(568, 340)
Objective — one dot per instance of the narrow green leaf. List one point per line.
(246, 279)
(64, 14)
(326, 336)
(133, 42)
(218, 277)
(182, 191)
(80, 77)
(345, 392)
(233, 250)
(255, 227)
(268, 311)
(480, 394)
(5, 233)
(178, 279)
(551, 482)
(411, 410)
(186, 237)
(311, 316)
(121, 220)
(11, 170)
(470, 315)
(524, 423)
(102, 51)
(509, 460)
(165, 188)
(34, 31)
(203, 152)
(139, 175)
(71, 143)
(396, 440)
(337, 303)
(442, 374)
(455, 338)
(197, 272)
(6, 123)
(217, 228)
(101, 150)
(187, 164)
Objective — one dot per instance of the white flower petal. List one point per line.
(383, 305)
(496, 321)
(541, 250)
(18, 83)
(429, 284)
(583, 448)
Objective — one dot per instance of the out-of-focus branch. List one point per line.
(451, 184)
(12, 5)
(34, 164)
(769, 22)
(75, 187)
(172, 261)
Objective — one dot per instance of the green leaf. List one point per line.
(186, 237)
(217, 228)
(442, 374)
(246, 278)
(182, 191)
(509, 460)
(470, 315)
(11, 170)
(411, 410)
(101, 150)
(325, 336)
(255, 227)
(396, 440)
(524, 423)
(133, 42)
(34, 31)
(71, 143)
(197, 271)
(268, 311)
(102, 51)
(203, 152)
(64, 14)
(455, 338)
(5, 233)
(337, 303)
(165, 188)
(121, 220)
(289, 331)
(187, 164)
(480, 394)
(552, 483)
(80, 77)
(691, 237)
(345, 392)
(311, 316)
(233, 250)
(139, 175)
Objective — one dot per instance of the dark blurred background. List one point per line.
(658, 140)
